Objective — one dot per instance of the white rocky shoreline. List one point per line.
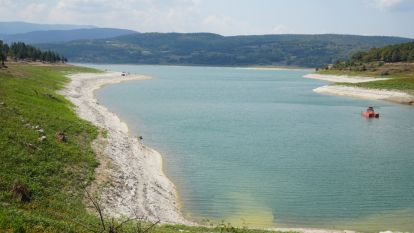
(136, 186)
(358, 92)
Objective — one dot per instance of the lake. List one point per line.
(259, 148)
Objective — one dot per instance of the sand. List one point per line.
(358, 92)
(135, 186)
(343, 78)
(371, 94)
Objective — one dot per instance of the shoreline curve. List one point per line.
(394, 96)
(135, 181)
(135, 185)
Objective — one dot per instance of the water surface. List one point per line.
(258, 147)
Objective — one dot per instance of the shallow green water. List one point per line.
(258, 147)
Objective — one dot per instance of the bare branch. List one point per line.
(153, 225)
(97, 208)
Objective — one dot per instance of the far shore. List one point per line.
(343, 78)
(358, 92)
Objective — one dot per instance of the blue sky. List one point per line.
(226, 17)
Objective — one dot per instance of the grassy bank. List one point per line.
(387, 70)
(401, 76)
(46, 159)
(54, 172)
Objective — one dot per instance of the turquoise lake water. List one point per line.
(259, 148)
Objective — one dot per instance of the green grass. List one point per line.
(401, 84)
(401, 77)
(347, 72)
(54, 172)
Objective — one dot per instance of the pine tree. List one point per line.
(1, 53)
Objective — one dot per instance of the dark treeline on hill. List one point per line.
(389, 54)
(392, 53)
(217, 50)
(22, 51)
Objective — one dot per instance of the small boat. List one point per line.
(370, 113)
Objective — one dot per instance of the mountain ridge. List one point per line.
(213, 49)
(54, 36)
(15, 27)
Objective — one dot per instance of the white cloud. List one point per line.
(280, 29)
(219, 24)
(247, 17)
(140, 15)
(31, 11)
(386, 4)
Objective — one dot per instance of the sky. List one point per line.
(225, 17)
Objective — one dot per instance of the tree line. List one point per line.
(392, 53)
(216, 50)
(21, 51)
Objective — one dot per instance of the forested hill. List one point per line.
(391, 59)
(213, 49)
(391, 53)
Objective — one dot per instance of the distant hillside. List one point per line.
(213, 49)
(376, 57)
(53, 36)
(7, 28)
(391, 53)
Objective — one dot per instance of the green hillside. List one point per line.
(213, 49)
(41, 177)
(389, 54)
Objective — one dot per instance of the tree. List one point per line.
(395, 56)
(357, 56)
(4, 51)
(1, 53)
(21, 51)
(411, 56)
